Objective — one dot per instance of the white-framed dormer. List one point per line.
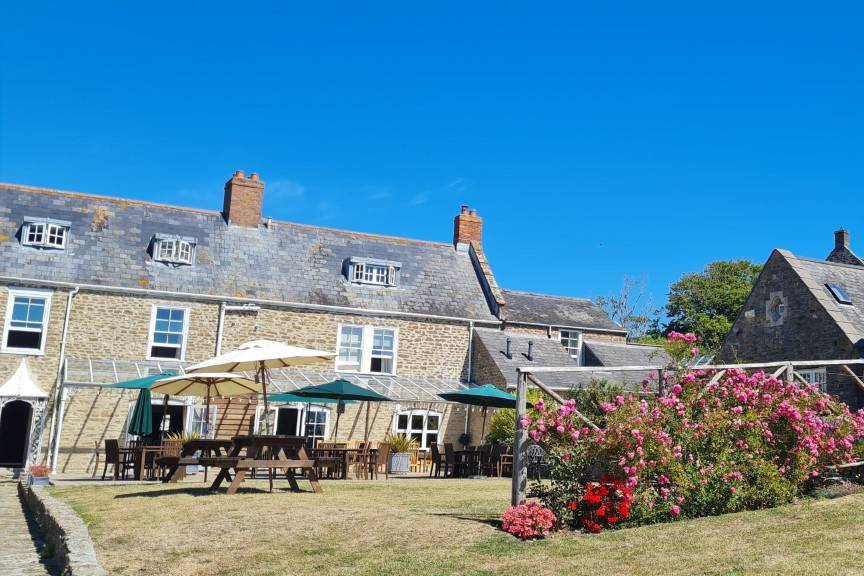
(25, 328)
(45, 233)
(171, 249)
(169, 327)
(373, 271)
(571, 340)
(366, 349)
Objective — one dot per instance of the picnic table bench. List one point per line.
(274, 453)
(177, 464)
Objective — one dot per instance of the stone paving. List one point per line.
(19, 538)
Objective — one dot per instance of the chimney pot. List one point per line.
(841, 239)
(508, 353)
(243, 200)
(531, 350)
(467, 227)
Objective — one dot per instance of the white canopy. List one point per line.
(21, 384)
(207, 384)
(252, 355)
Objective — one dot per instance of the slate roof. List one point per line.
(817, 273)
(598, 353)
(282, 262)
(528, 308)
(547, 352)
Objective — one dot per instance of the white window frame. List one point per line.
(366, 352)
(173, 251)
(152, 330)
(570, 337)
(11, 294)
(371, 273)
(818, 376)
(301, 419)
(424, 432)
(48, 230)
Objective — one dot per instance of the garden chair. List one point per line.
(381, 459)
(117, 458)
(536, 459)
(435, 466)
(452, 466)
(491, 465)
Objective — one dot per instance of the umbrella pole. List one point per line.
(207, 415)
(366, 430)
(164, 413)
(336, 430)
(483, 428)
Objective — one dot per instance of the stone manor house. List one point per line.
(96, 290)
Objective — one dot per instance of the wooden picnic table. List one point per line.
(207, 447)
(271, 452)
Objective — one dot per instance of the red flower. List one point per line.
(601, 512)
(591, 526)
(612, 519)
(572, 505)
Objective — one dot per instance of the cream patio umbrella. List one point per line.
(205, 385)
(260, 356)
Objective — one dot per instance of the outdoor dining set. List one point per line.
(274, 456)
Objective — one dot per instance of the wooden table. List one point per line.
(177, 464)
(141, 453)
(270, 452)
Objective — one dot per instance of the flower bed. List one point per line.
(742, 442)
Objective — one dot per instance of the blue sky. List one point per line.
(597, 140)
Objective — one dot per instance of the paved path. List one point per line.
(19, 553)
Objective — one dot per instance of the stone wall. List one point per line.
(806, 332)
(542, 331)
(112, 326)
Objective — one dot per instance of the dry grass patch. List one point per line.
(431, 527)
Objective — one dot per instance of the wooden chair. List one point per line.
(491, 466)
(414, 462)
(381, 459)
(452, 467)
(435, 466)
(170, 449)
(116, 458)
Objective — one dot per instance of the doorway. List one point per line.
(15, 419)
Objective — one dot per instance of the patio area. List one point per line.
(422, 526)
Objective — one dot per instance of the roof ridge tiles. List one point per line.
(549, 296)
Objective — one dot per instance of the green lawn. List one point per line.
(427, 527)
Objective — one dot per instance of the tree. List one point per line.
(632, 309)
(708, 302)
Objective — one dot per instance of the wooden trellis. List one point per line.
(528, 376)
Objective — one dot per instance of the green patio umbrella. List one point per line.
(141, 423)
(342, 389)
(289, 397)
(145, 383)
(141, 383)
(487, 396)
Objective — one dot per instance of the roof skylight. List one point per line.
(839, 292)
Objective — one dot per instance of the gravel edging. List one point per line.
(64, 531)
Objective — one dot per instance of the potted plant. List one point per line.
(400, 445)
(465, 439)
(39, 475)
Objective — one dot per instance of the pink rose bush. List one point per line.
(742, 442)
(529, 520)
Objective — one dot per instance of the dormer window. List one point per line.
(45, 233)
(378, 272)
(174, 250)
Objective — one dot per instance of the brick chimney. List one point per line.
(467, 227)
(841, 239)
(243, 200)
(842, 253)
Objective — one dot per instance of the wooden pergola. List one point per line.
(526, 376)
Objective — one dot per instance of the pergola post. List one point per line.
(520, 471)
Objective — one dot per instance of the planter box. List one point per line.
(40, 480)
(400, 462)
